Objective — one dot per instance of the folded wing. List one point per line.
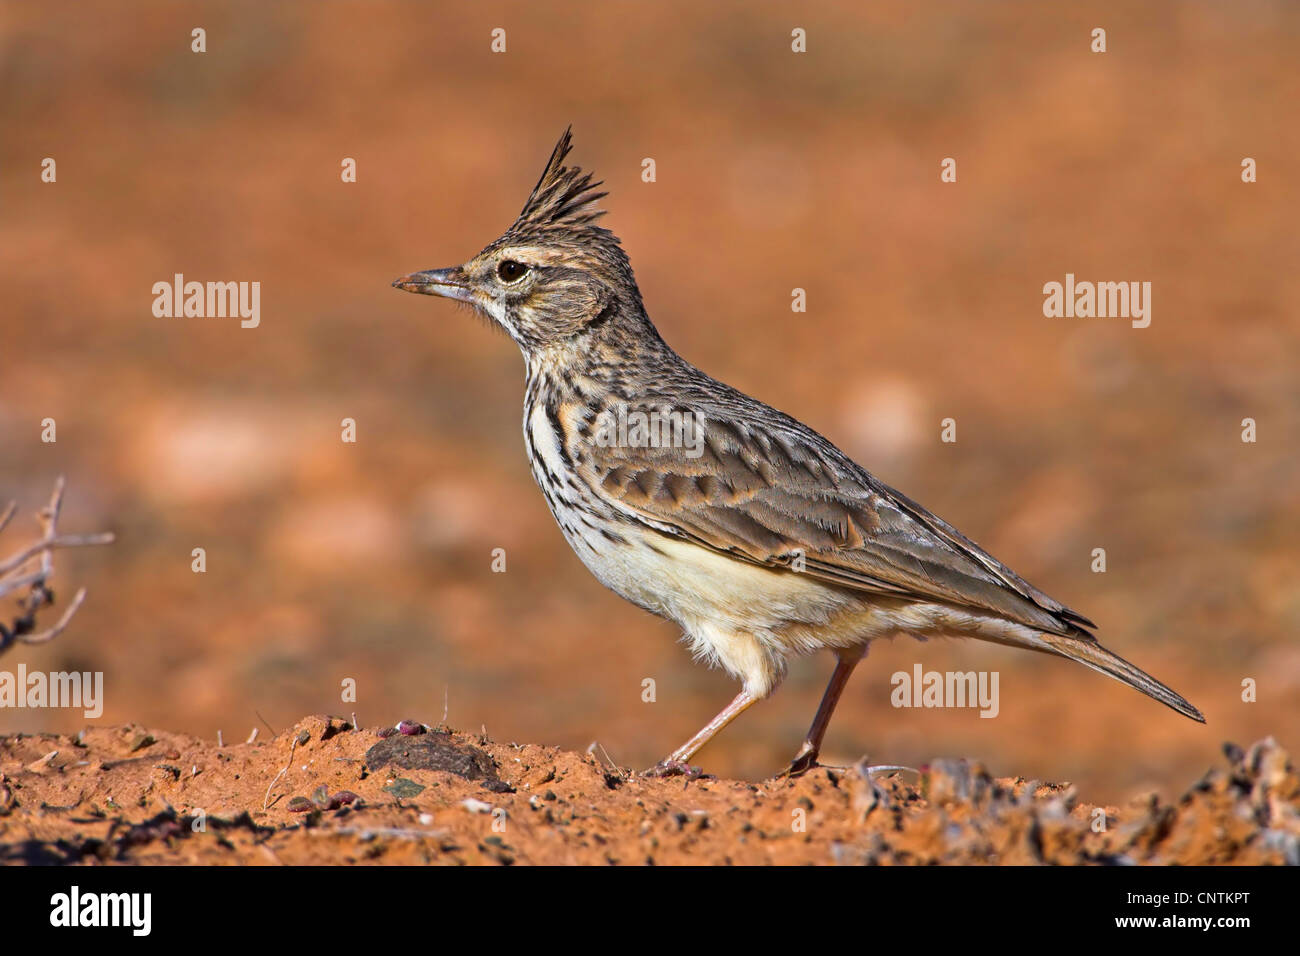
(766, 489)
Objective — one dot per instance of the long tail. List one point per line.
(1092, 654)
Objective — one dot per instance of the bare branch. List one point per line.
(51, 633)
(46, 545)
(32, 566)
(19, 582)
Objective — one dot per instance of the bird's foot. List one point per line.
(804, 760)
(675, 768)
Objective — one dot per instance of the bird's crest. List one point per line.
(563, 200)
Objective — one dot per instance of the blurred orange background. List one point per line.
(775, 170)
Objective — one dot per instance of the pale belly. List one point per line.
(747, 619)
(691, 585)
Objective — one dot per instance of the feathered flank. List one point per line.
(564, 199)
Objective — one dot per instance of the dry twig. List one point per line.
(31, 567)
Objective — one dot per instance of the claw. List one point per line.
(804, 760)
(890, 769)
(799, 766)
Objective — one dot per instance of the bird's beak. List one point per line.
(448, 283)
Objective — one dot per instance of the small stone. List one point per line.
(404, 789)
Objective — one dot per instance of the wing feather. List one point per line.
(766, 489)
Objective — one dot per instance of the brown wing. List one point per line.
(765, 488)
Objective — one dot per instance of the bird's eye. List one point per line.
(511, 271)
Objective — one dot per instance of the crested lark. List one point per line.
(754, 533)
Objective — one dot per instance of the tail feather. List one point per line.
(1092, 654)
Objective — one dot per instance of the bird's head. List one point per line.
(554, 275)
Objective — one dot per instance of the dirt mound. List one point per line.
(324, 792)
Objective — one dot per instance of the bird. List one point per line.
(757, 536)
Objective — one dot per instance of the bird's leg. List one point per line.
(678, 762)
(806, 758)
